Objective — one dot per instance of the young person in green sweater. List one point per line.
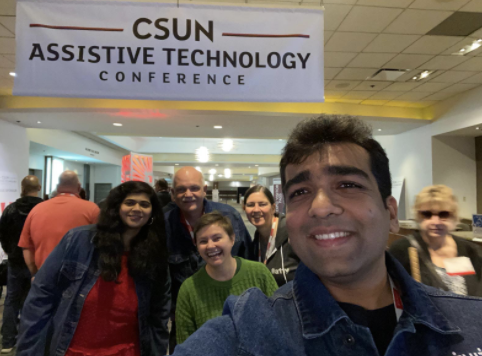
(202, 295)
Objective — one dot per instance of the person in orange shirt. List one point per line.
(49, 221)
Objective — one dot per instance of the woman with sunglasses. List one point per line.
(105, 289)
(445, 261)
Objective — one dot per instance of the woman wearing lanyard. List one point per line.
(271, 244)
(202, 295)
(105, 289)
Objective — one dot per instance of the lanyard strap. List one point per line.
(397, 300)
(271, 242)
(188, 227)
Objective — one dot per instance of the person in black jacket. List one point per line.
(445, 261)
(18, 280)
(162, 191)
(271, 243)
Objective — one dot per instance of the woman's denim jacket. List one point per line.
(302, 318)
(52, 310)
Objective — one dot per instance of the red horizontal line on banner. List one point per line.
(77, 28)
(261, 35)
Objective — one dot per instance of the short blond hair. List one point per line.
(437, 195)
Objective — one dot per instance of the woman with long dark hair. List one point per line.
(105, 289)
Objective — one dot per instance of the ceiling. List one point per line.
(361, 37)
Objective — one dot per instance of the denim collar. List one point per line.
(319, 312)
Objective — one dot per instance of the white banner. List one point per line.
(159, 51)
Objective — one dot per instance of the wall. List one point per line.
(104, 174)
(454, 164)
(71, 142)
(14, 156)
(478, 157)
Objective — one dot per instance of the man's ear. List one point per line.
(205, 188)
(392, 207)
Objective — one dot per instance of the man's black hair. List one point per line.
(311, 135)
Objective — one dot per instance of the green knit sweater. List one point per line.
(202, 298)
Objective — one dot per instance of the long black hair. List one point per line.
(148, 251)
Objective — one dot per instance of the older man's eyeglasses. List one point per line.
(443, 215)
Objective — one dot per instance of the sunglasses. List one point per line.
(443, 215)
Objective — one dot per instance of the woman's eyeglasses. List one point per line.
(443, 215)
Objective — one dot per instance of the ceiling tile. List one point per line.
(458, 88)
(355, 74)
(386, 95)
(358, 95)
(338, 59)
(402, 86)
(368, 19)
(425, 103)
(5, 33)
(400, 103)
(474, 79)
(5, 63)
(432, 44)
(349, 41)
(372, 85)
(413, 96)
(350, 2)
(327, 35)
(473, 64)
(417, 22)
(7, 45)
(457, 47)
(7, 7)
(473, 6)
(431, 87)
(374, 102)
(438, 5)
(452, 77)
(334, 15)
(10, 57)
(342, 85)
(408, 61)
(412, 73)
(439, 96)
(385, 3)
(370, 60)
(330, 73)
(386, 43)
(477, 34)
(8, 22)
(349, 101)
(334, 94)
(444, 62)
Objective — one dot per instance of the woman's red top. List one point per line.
(108, 323)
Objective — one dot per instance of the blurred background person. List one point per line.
(202, 295)
(271, 243)
(110, 280)
(82, 194)
(446, 262)
(18, 275)
(47, 223)
(162, 191)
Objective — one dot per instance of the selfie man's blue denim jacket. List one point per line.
(302, 318)
(54, 304)
(184, 259)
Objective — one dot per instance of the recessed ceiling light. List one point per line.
(249, 167)
(117, 124)
(218, 127)
(256, 165)
(227, 145)
(176, 164)
(13, 74)
(468, 48)
(280, 139)
(212, 171)
(217, 165)
(477, 128)
(379, 129)
(423, 75)
(38, 122)
(220, 175)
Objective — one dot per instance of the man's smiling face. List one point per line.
(337, 221)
